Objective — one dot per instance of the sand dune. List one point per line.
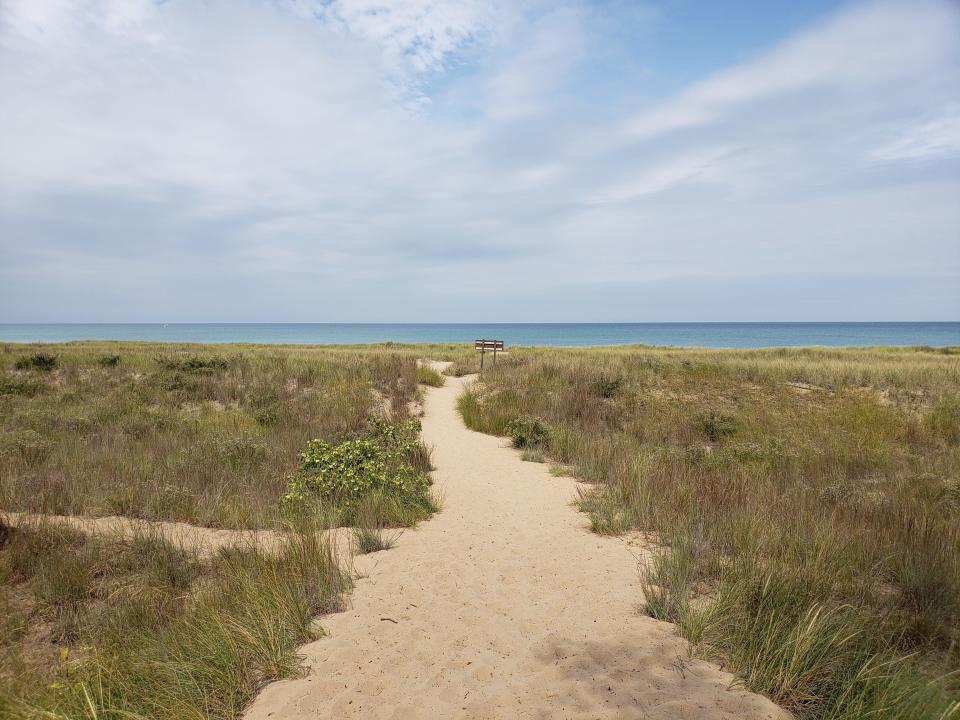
(502, 606)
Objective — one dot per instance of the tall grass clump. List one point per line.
(110, 628)
(428, 376)
(801, 504)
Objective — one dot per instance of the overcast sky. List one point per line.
(479, 160)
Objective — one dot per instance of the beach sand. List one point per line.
(504, 605)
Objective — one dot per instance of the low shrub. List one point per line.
(45, 362)
(606, 386)
(193, 363)
(388, 462)
(108, 360)
(527, 431)
(716, 425)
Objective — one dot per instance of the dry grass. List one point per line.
(201, 434)
(806, 500)
(99, 627)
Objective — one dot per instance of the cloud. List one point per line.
(422, 33)
(859, 50)
(425, 160)
(940, 137)
(691, 166)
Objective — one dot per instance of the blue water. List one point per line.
(682, 334)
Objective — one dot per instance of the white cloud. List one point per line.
(420, 34)
(697, 165)
(924, 140)
(356, 161)
(881, 44)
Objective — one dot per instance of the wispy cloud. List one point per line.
(871, 46)
(936, 138)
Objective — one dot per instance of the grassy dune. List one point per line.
(804, 501)
(201, 434)
(299, 438)
(98, 627)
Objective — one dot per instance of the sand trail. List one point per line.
(204, 540)
(504, 605)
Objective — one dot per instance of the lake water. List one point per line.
(579, 334)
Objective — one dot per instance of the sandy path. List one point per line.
(502, 606)
(203, 539)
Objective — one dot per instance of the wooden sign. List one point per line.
(484, 345)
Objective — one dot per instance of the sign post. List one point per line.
(483, 346)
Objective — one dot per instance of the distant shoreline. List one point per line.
(708, 334)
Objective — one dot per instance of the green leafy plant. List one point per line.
(527, 431)
(388, 461)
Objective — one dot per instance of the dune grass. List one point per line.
(99, 627)
(301, 439)
(805, 502)
(428, 376)
(201, 434)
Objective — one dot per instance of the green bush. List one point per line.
(606, 386)
(716, 425)
(388, 463)
(44, 362)
(193, 363)
(527, 431)
(108, 360)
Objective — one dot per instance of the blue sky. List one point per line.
(480, 160)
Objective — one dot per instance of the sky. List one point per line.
(479, 160)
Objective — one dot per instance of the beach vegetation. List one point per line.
(801, 505)
(382, 476)
(526, 431)
(44, 362)
(428, 376)
(97, 626)
(207, 435)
